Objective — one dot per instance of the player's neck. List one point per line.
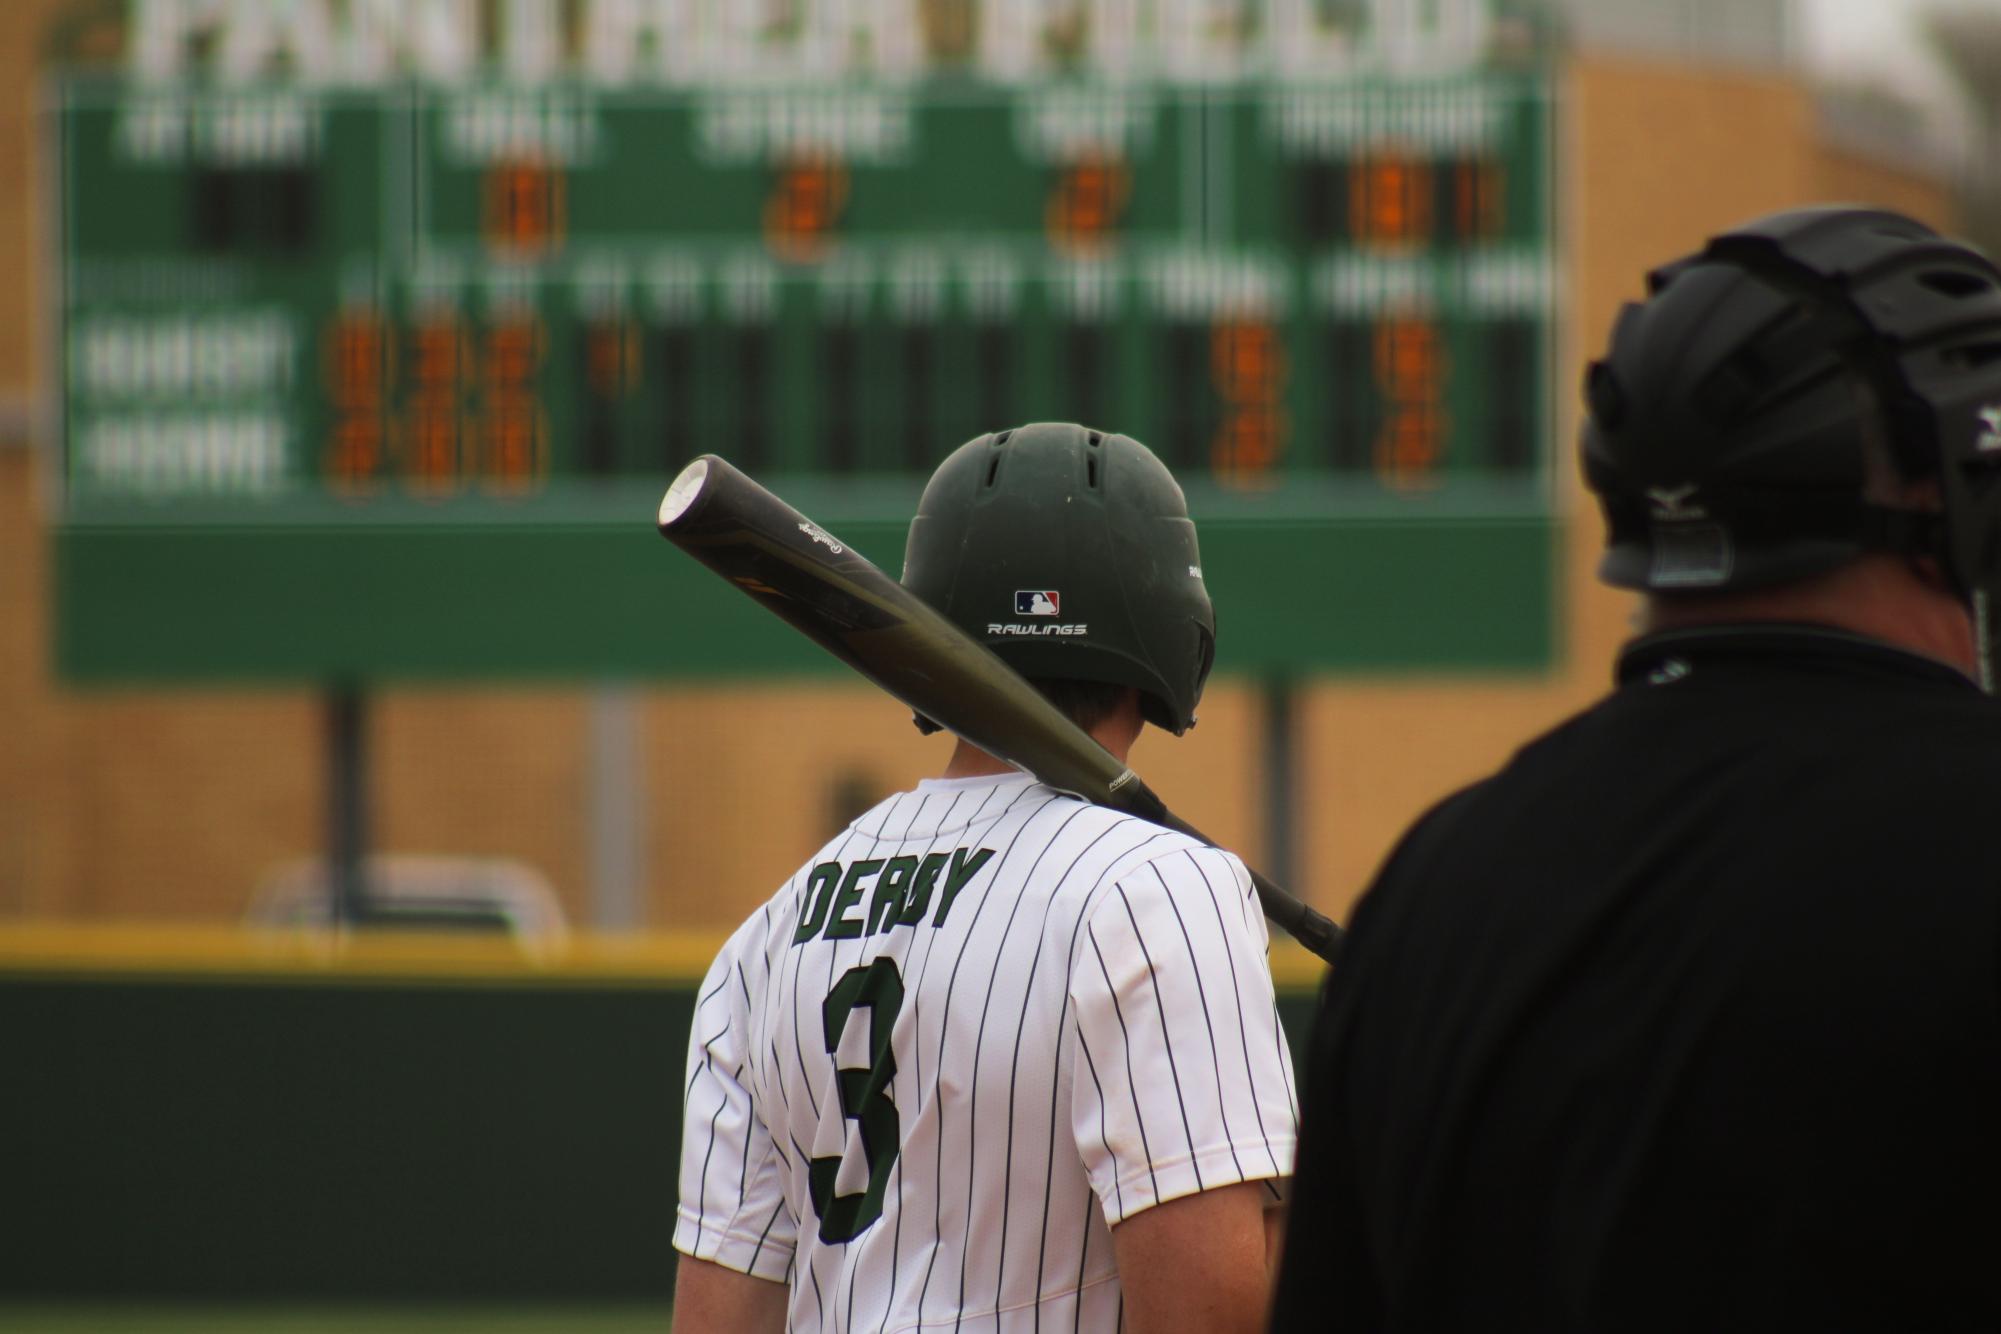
(1116, 732)
(969, 761)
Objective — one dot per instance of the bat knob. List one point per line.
(682, 492)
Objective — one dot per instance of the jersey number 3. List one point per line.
(864, 1098)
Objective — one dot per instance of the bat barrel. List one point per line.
(687, 488)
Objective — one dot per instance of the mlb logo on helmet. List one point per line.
(1037, 602)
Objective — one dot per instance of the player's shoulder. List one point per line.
(753, 934)
(911, 815)
(859, 838)
(1137, 859)
(1132, 840)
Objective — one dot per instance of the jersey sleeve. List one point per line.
(733, 1209)
(1183, 1080)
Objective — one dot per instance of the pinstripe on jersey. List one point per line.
(1080, 1027)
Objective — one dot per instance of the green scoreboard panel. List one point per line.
(385, 382)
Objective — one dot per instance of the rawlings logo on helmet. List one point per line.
(1006, 629)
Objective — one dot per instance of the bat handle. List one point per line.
(1314, 930)
(1311, 929)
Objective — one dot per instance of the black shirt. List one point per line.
(1689, 1019)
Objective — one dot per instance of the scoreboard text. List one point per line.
(501, 291)
(506, 301)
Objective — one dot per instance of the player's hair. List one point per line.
(1085, 703)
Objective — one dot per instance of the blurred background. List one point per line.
(375, 785)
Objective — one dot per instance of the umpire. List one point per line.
(1690, 1017)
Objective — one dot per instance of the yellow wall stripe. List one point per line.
(223, 953)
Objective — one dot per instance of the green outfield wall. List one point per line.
(228, 1124)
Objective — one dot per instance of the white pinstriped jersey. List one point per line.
(982, 1026)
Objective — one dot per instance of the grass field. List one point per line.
(206, 1319)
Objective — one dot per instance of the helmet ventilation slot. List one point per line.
(994, 457)
(1972, 356)
(1950, 282)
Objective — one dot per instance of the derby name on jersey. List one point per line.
(903, 890)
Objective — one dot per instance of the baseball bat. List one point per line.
(830, 593)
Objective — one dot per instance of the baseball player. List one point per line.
(997, 1058)
(1690, 1017)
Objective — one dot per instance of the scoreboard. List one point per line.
(384, 382)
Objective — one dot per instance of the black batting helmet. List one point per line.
(1070, 553)
(1726, 425)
